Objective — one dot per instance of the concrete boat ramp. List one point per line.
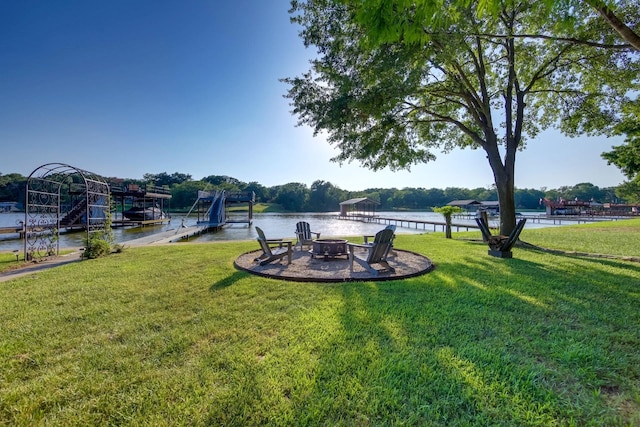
(169, 236)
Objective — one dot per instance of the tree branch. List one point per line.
(620, 27)
(541, 37)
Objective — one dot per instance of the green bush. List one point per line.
(101, 243)
(97, 246)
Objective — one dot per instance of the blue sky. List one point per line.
(123, 88)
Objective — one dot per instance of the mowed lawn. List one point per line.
(174, 335)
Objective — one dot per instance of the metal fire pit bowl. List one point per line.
(329, 248)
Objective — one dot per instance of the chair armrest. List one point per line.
(358, 245)
(366, 239)
(317, 234)
(281, 241)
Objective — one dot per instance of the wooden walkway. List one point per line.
(410, 223)
(441, 225)
(554, 219)
(12, 230)
(169, 236)
(130, 223)
(572, 219)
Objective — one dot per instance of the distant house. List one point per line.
(360, 207)
(467, 205)
(491, 206)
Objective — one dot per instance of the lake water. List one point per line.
(275, 225)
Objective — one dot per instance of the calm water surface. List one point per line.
(275, 225)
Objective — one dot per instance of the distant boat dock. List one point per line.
(211, 208)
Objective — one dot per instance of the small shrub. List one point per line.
(447, 212)
(101, 243)
(97, 247)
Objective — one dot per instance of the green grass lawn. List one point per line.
(608, 237)
(8, 260)
(267, 207)
(174, 335)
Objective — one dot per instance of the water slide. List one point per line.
(217, 213)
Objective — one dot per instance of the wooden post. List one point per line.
(485, 218)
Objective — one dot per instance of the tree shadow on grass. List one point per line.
(227, 281)
(482, 341)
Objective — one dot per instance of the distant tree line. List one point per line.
(323, 196)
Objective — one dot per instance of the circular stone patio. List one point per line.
(305, 268)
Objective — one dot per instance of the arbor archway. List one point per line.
(62, 196)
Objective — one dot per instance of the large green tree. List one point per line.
(388, 98)
(164, 179)
(324, 197)
(627, 156)
(292, 196)
(12, 187)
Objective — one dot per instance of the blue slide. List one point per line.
(217, 212)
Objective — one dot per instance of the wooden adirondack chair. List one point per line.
(390, 251)
(304, 234)
(271, 252)
(376, 253)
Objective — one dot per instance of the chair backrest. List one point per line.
(380, 246)
(263, 242)
(303, 230)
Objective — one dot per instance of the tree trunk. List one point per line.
(485, 217)
(447, 220)
(506, 199)
(503, 177)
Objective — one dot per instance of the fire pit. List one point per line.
(329, 248)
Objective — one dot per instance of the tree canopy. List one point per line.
(627, 156)
(393, 91)
(163, 178)
(385, 23)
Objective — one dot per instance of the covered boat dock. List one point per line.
(152, 201)
(361, 208)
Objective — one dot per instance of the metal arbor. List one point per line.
(62, 196)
